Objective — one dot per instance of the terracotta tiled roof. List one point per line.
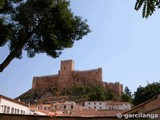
(93, 113)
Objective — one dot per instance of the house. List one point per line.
(34, 110)
(11, 106)
(107, 105)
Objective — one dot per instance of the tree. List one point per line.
(127, 95)
(109, 94)
(148, 7)
(39, 26)
(127, 91)
(145, 93)
(97, 94)
(2, 2)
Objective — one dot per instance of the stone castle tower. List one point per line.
(67, 78)
(65, 73)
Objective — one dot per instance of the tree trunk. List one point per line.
(12, 55)
(9, 58)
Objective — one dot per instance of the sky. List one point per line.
(122, 43)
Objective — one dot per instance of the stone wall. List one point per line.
(115, 87)
(67, 78)
(88, 77)
(45, 81)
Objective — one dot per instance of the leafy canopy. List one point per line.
(2, 2)
(145, 93)
(127, 95)
(148, 7)
(39, 26)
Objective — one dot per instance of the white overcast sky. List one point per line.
(121, 42)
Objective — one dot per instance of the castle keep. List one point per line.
(67, 78)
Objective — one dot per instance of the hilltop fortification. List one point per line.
(68, 78)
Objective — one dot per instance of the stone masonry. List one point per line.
(67, 78)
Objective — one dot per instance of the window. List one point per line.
(17, 111)
(100, 103)
(4, 110)
(71, 106)
(89, 103)
(64, 106)
(100, 108)
(8, 109)
(12, 111)
(94, 103)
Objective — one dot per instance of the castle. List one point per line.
(67, 78)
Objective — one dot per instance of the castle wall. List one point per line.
(115, 87)
(88, 77)
(44, 81)
(68, 78)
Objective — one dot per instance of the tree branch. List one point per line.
(13, 54)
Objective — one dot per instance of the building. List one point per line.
(107, 105)
(11, 106)
(90, 108)
(68, 78)
(67, 105)
(34, 110)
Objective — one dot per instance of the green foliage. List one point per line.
(148, 7)
(78, 91)
(109, 95)
(29, 96)
(127, 91)
(39, 26)
(98, 94)
(53, 90)
(145, 93)
(127, 95)
(2, 2)
(93, 93)
(126, 98)
(65, 92)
